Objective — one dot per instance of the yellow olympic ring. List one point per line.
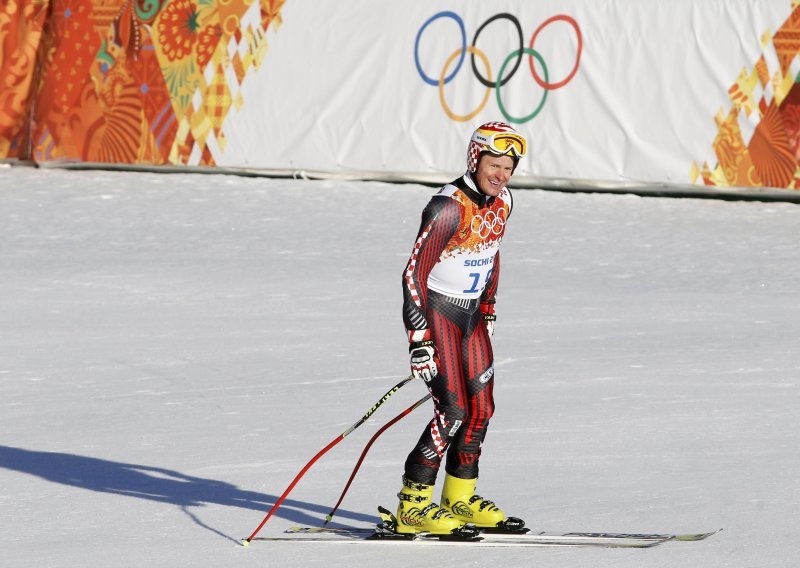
(458, 117)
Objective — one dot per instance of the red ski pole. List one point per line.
(385, 427)
(322, 452)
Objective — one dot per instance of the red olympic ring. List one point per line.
(543, 83)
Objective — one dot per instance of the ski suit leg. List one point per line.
(478, 364)
(462, 403)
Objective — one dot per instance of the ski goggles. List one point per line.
(502, 143)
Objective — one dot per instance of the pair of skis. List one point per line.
(385, 533)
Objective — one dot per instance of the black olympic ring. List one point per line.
(513, 20)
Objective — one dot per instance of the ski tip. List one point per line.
(698, 536)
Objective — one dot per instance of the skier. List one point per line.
(449, 288)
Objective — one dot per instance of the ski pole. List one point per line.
(322, 452)
(385, 427)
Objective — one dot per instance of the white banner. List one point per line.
(618, 90)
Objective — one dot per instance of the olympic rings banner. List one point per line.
(535, 59)
(621, 91)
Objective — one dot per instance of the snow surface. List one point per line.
(173, 349)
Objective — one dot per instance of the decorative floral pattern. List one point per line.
(207, 42)
(21, 23)
(769, 153)
(128, 81)
(177, 29)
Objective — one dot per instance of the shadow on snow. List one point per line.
(158, 484)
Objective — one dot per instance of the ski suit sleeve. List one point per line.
(440, 220)
(487, 300)
(490, 291)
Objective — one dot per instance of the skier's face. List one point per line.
(493, 173)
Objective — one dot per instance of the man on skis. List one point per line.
(449, 288)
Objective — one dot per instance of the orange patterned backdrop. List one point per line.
(127, 81)
(758, 140)
(21, 23)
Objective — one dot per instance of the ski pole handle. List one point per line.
(377, 405)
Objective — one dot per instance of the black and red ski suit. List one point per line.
(449, 283)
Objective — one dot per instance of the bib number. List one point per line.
(476, 278)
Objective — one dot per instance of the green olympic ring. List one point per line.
(538, 109)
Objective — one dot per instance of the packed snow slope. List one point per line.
(174, 348)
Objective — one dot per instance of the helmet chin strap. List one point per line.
(483, 198)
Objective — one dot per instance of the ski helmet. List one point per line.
(497, 138)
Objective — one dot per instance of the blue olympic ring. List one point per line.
(460, 22)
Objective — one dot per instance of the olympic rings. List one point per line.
(539, 108)
(502, 79)
(464, 118)
(490, 223)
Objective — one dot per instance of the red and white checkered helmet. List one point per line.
(497, 138)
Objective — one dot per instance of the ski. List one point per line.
(491, 539)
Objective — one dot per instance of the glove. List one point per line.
(489, 320)
(424, 361)
(487, 309)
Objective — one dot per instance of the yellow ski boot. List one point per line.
(418, 513)
(458, 496)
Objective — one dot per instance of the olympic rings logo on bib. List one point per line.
(490, 223)
(460, 53)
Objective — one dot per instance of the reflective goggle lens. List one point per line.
(502, 143)
(506, 142)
